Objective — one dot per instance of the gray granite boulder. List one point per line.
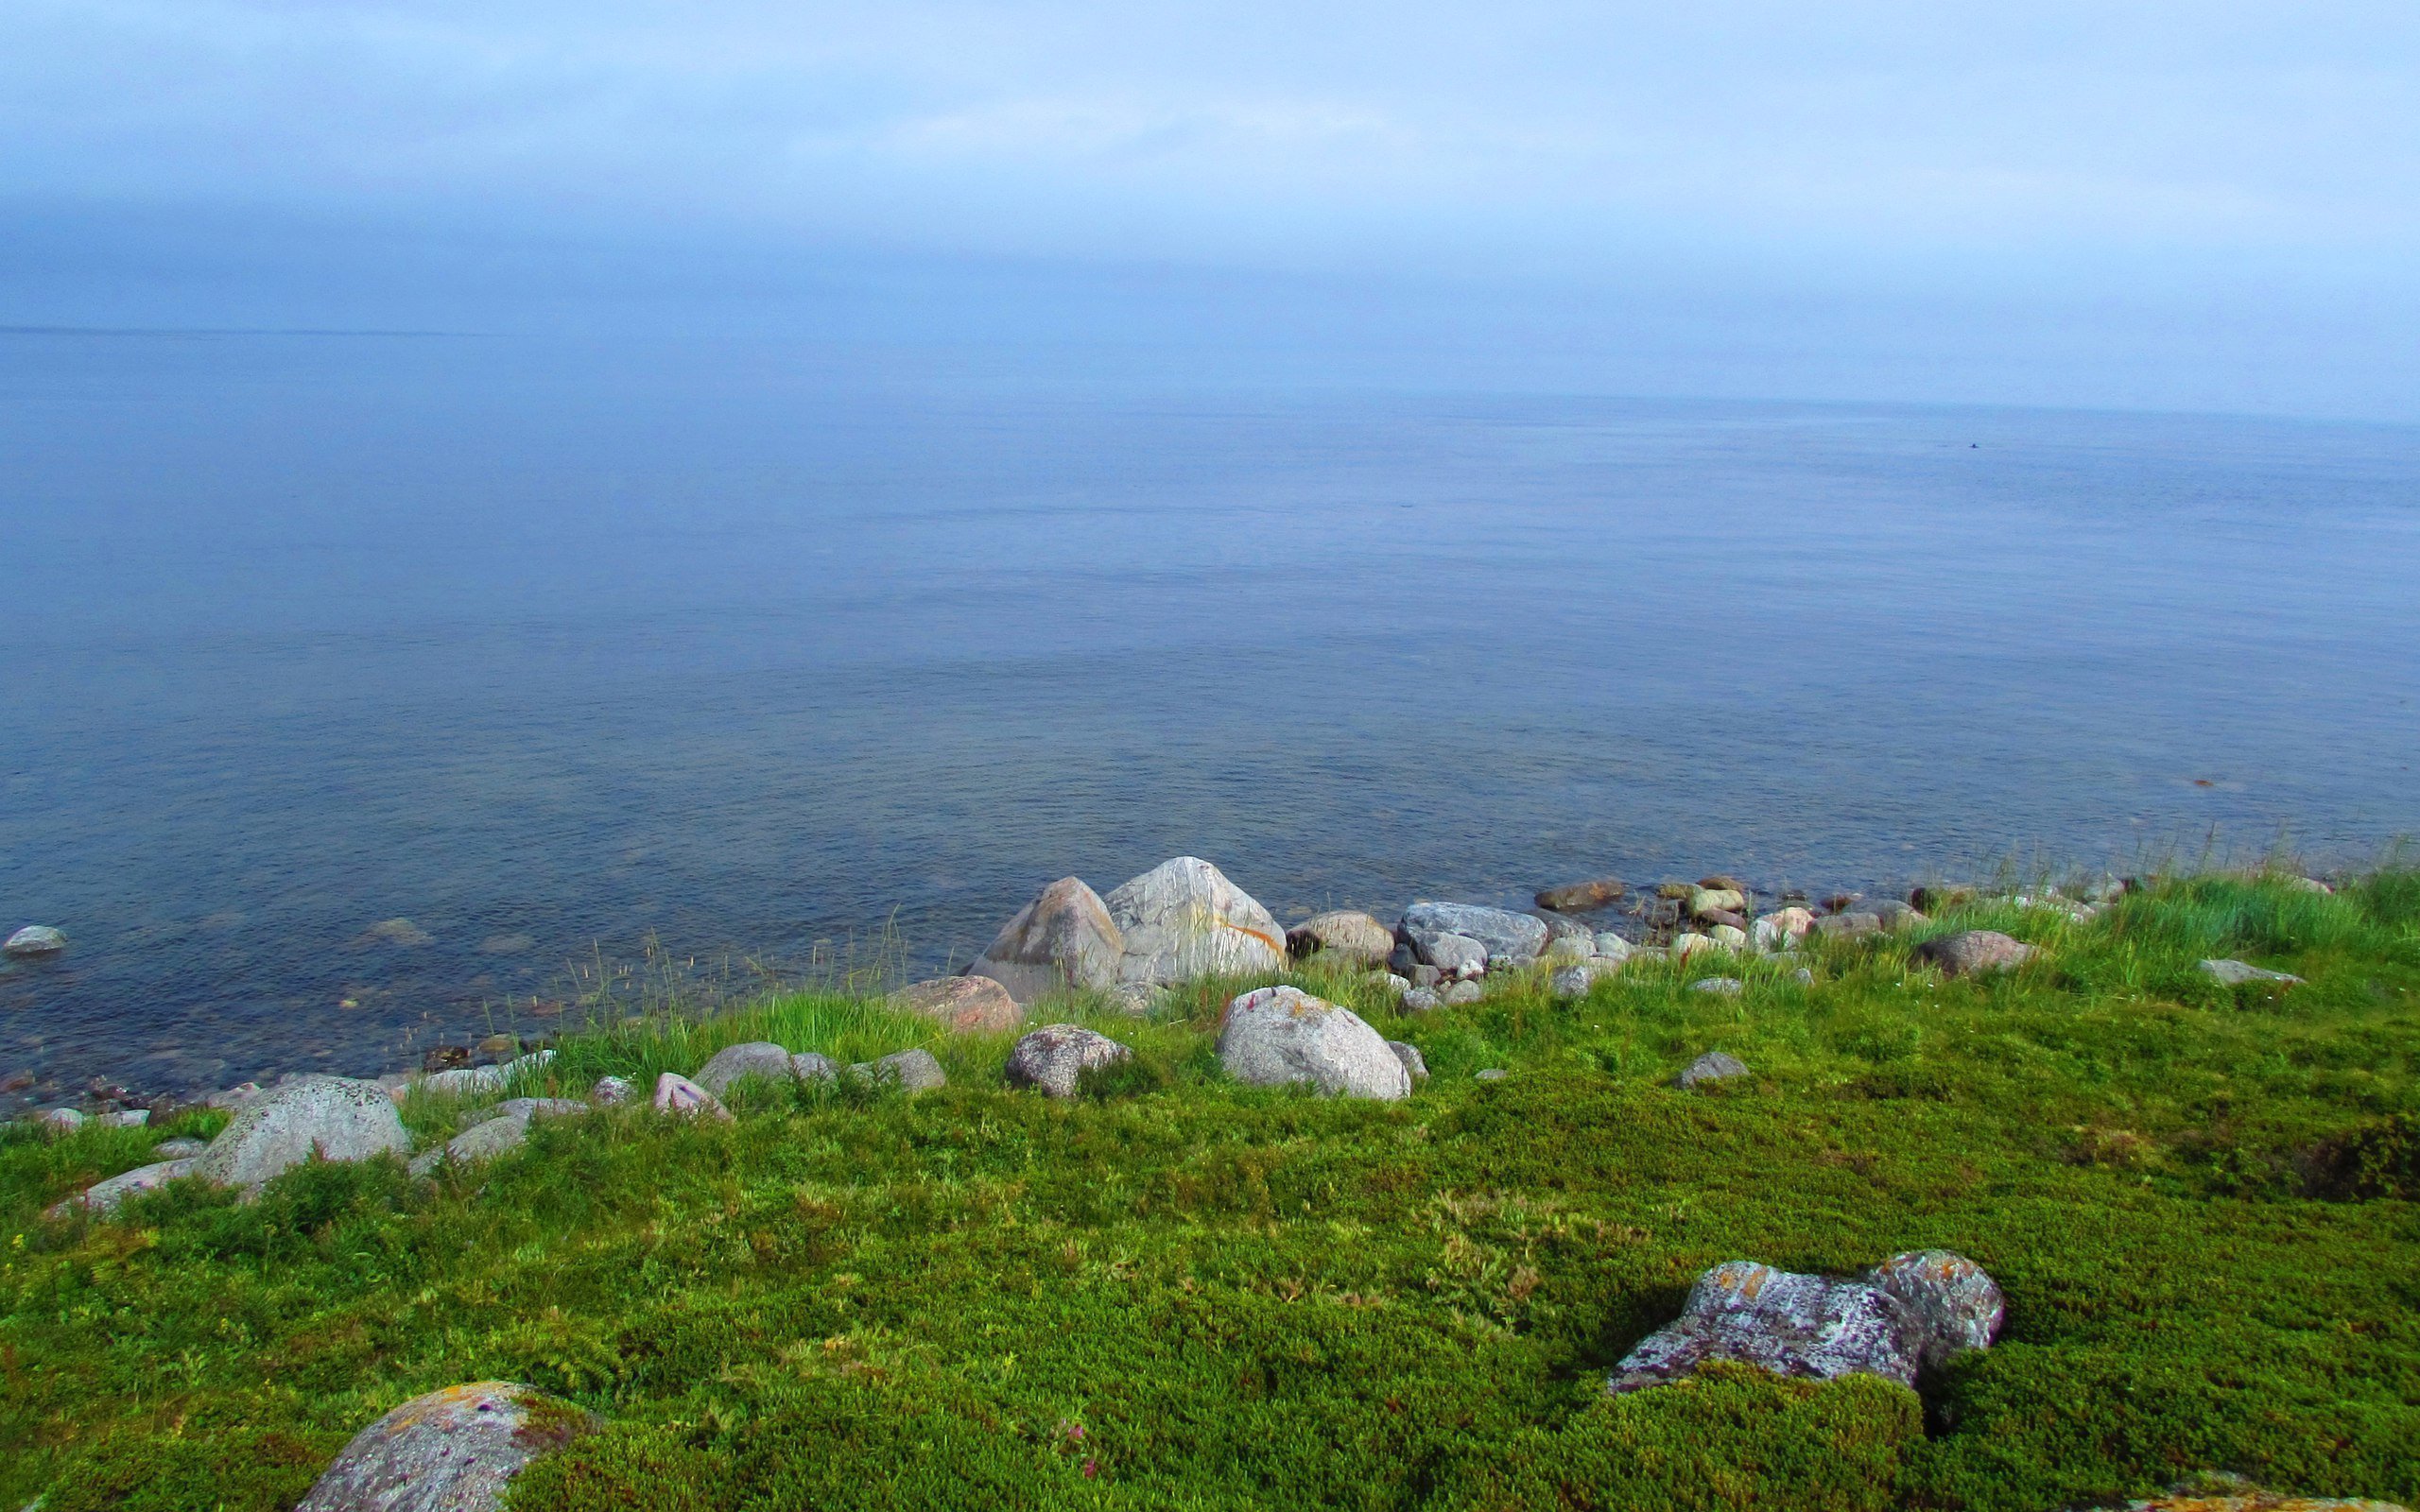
(1706, 900)
(104, 1197)
(34, 939)
(1184, 920)
(1421, 1000)
(1712, 1066)
(1343, 936)
(1973, 950)
(2237, 973)
(61, 1120)
(679, 1097)
(910, 1071)
(335, 1118)
(612, 1092)
(1455, 956)
(1415, 1065)
(1729, 987)
(451, 1450)
(483, 1141)
(1610, 946)
(761, 1058)
(1515, 938)
(1570, 982)
(1281, 1035)
(1064, 938)
(1462, 993)
(962, 1004)
(1053, 1057)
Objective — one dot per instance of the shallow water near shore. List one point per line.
(759, 652)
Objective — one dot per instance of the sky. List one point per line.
(2186, 204)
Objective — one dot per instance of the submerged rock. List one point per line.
(1281, 1035)
(1184, 920)
(335, 1118)
(397, 932)
(35, 939)
(451, 1450)
(1514, 938)
(1706, 900)
(2237, 973)
(1580, 897)
(1353, 939)
(1053, 1057)
(965, 1004)
(1974, 950)
(1064, 938)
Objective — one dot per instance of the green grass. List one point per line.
(1181, 1293)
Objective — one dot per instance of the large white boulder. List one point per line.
(1279, 1034)
(1064, 938)
(336, 1118)
(451, 1450)
(1184, 920)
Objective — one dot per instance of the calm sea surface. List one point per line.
(554, 649)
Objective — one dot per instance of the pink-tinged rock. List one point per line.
(965, 1004)
(1064, 938)
(1053, 1057)
(682, 1098)
(1974, 950)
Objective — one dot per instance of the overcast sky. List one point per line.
(2080, 163)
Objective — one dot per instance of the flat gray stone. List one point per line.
(1053, 1057)
(1421, 1000)
(1848, 926)
(483, 1141)
(1491, 1073)
(451, 1450)
(963, 1005)
(1580, 897)
(35, 939)
(1712, 1066)
(2236, 973)
(1182, 919)
(335, 1118)
(1282, 1034)
(1610, 946)
(1569, 982)
(612, 1092)
(1462, 993)
(1517, 939)
(180, 1148)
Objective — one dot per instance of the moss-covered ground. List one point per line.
(1181, 1293)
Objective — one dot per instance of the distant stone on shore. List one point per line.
(1910, 1312)
(1571, 982)
(1514, 938)
(335, 1118)
(679, 1097)
(1609, 946)
(1938, 897)
(451, 1450)
(2237, 973)
(1421, 1000)
(1280, 1035)
(1712, 1066)
(1729, 987)
(1705, 901)
(910, 1071)
(1053, 1057)
(1462, 992)
(1580, 897)
(610, 1091)
(1974, 950)
(102, 1197)
(506, 1128)
(964, 1005)
(1343, 936)
(1064, 938)
(1184, 920)
(1780, 929)
(761, 1058)
(35, 939)
(1849, 925)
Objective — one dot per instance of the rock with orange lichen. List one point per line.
(1184, 920)
(451, 1450)
(1909, 1314)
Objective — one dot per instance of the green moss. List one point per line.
(1177, 1292)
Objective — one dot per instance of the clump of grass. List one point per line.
(1174, 1291)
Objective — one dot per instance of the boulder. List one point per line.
(451, 1450)
(1848, 925)
(1184, 920)
(335, 1118)
(1712, 1066)
(1610, 946)
(61, 1120)
(1515, 938)
(1893, 915)
(1352, 939)
(104, 1197)
(1804, 976)
(1685, 945)
(1705, 901)
(1491, 1073)
(540, 1108)
(1392, 984)
(180, 1148)
(963, 1005)
(1571, 982)
(1725, 918)
(1134, 998)
(1937, 897)
(483, 1141)
(610, 1091)
(234, 1097)
(1421, 1000)
(1780, 929)
(910, 1071)
(1727, 937)
(1580, 897)
(1560, 929)
(809, 1066)
(2236, 973)
(1973, 950)
(1911, 1312)
(1052, 1056)
(1426, 975)
(1280, 1035)
(1729, 987)
(1677, 891)
(1722, 882)
(2309, 885)
(680, 1097)
(1064, 938)
(1455, 956)
(1414, 1064)
(35, 939)
(1461, 993)
(482, 1081)
(757, 1057)
(1565, 948)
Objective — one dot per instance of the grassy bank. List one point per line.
(1182, 1293)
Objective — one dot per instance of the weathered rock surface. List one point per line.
(180, 1148)
(451, 1450)
(1064, 938)
(1515, 938)
(104, 1197)
(1712, 1066)
(1848, 925)
(757, 1057)
(1580, 897)
(1455, 956)
(1353, 939)
(483, 1141)
(1421, 1000)
(1705, 901)
(910, 1071)
(1780, 929)
(1134, 998)
(965, 1004)
(1729, 987)
(2256, 1502)
(1687, 944)
(1281, 1035)
(1184, 920)
(610, 1091)
(1939, 896)
(1462, 992)
(2236, 973)
(1392, 984)
(35, 939)
(1571, 982)
(1727, 937)
(1415, 1065)
(1610, 946)
(1893, 915)
(1491, 1073)
(680, 1097)
(481, 1081)
(1052, 1056)
(61, 1120)
(1916, 1309)
(1974, 950)
(335, 1118)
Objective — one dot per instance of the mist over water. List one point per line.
(553, 646)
